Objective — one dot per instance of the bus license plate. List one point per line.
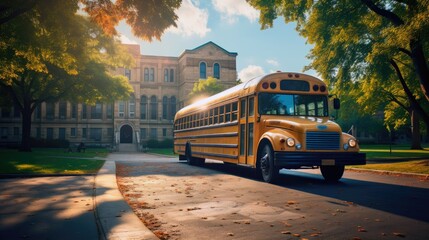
(328, 162)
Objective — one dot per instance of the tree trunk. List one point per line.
(415, 131)
(419, 62)
(26, 129)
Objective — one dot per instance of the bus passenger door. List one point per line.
(246, 128)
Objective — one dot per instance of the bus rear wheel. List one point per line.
(269, 172)
(332, 173)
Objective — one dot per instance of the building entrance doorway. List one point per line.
(126, 134)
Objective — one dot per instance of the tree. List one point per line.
(50, 52)
(367, 47)
(147, 18)
(43, 59)
(206, 87)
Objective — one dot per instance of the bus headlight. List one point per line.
(352, 143)
(290, 142)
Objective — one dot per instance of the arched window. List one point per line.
(164, 107)
(146, 74)
(171, 75)
(172, 107)
(203, 70)
(216, 70)
(153, 108)
(152, 75)
(166, 75)
(143, 107)
(132, 106)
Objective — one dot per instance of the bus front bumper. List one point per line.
(298, 159)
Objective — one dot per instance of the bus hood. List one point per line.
(303, 124)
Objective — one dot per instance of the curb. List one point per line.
(114, 216)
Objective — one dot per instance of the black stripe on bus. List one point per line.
(212, 154)
(207, 127)
(217, 145)
(213, 135)
(216, 155)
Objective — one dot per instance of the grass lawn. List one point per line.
(398, 158)
(163, 151)
(50, 161)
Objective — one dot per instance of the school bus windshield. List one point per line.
(293, 104)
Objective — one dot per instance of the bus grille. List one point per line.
(323, 141)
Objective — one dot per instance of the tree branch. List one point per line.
(395, 19)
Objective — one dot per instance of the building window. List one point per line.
(110, 132)
(146, 74)
(164, 107)
(151, 74)
(95, 134)
(63, 110)
(49, 133)
(50, 110)
(216, 70)
(62, 134)
(74, 111)
(16, 131)
(172, 107)
(143, 133)
(109, 111)
(73, 132)
(96, 111)
(83, 111)
(171, 75)
(121, 108)
(4, 132)
(164, 132)
(166, 79)
(5, 112)
(128, 73)
(83, 132)
(153, 133)
(143, 107)
(153, 108)
(132, 107)
(203, 70)
(38, 112)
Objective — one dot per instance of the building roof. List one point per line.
(233, 54)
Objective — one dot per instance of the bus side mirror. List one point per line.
(336, 103)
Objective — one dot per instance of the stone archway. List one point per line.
(126, 133)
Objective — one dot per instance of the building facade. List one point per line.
(161, 87)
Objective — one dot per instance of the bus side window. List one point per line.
(228, 113)
(234, 111)
(251, 107)
(216, 115)
(221, 111)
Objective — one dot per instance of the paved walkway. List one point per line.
(71, 207)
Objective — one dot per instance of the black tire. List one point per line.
(269, 172)
(188, 153)
(332, 173)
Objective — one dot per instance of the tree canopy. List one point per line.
(374, 51)
(206, 88)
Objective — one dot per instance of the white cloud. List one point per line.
(232, 9)
(250, 72)
(273, 62)
(126, 40)
(192, 20)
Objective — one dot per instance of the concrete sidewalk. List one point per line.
(116, 218)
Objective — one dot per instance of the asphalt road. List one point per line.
(218, 201)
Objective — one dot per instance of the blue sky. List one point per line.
(233, 25)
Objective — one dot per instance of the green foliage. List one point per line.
(355, 43)
(206, 87)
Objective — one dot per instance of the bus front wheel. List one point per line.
(192, 160)
(269, 172)
(332, 173)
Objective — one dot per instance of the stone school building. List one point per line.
(161, 87)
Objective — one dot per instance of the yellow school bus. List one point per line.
(279, 120)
